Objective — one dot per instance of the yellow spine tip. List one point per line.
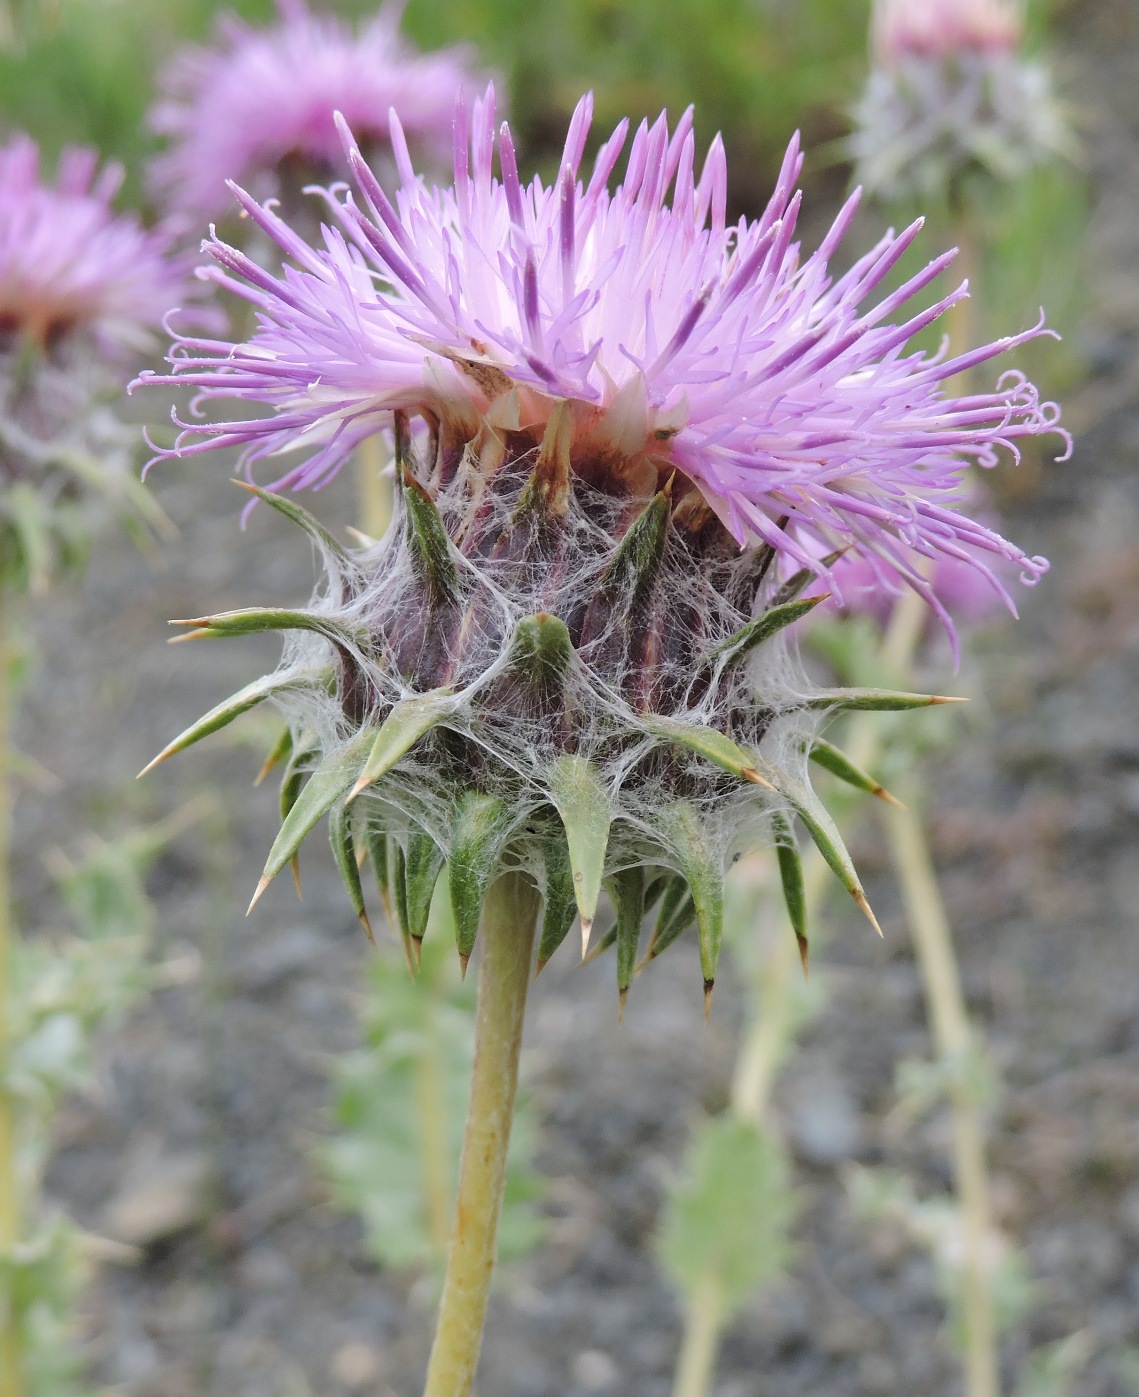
(464, 961)
(586, 928)
(264, 883)
(860, 897)
(367, 925)
(709, 986)
(622, 1000)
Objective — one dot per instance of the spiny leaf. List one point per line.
(280, 751)
(627, 889)
(676, 915)
(344, 852)
(560, 903)
(794, 890)
(379, 856)
(874, 700)
(229, 709)
(711, 744)
(480, 831)
(423, 862)
(839, 764)
(695, 853)
(329, 783)
(797, 581)
(408, 721)
(585, 810)
(324, 540)
(253, 620)
(427, 541)
(827, 839)
(762, 628)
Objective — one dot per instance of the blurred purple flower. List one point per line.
(943, 28)
(264, 95)
(681, 343)
(70, 267)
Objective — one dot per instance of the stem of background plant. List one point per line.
(933, 941)
(768, 1035)
(509, 921)
(375, 492)
(703, 1322)
(11, 1379)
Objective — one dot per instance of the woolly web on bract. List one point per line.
(501, 738)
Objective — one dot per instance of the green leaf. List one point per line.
(482, 826)
(629, 579)
(711, 744)
(325, 541)
(794, 891)
(426, 536)
(329, 783)
(344, 852)
(831, 759)
(695, 853)
(584, 806)
(627, 889)
(239, 703)
(827, 839)
(423, 862)
(254, 620)
(873, 700)
(676, 915)
(408, 721)
(762, 628)
(559, 900)
(727, 1219)
(797, 581)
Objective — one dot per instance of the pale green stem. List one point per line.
(933, 942)
(430, 1093)
(11, 1379)
(704, 1320)
(510, 917)
(374, 488)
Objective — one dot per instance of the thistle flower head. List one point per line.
(610, 411)
(82, 289)
(263, 96)
(949, 94)
(71, 269)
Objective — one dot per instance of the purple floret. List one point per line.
(787, 395)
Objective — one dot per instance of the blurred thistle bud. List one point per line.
(611, 414)
(258, 108)
(83, 291)
(950, 94)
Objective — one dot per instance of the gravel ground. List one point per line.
(212, 1097)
